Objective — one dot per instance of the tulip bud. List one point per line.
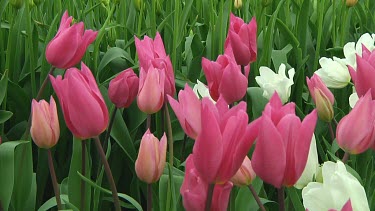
(265, 3)
(37, 2)
(45, 129)
(245, 175)
(150, 162)
(17, 3)
(124, 88)
(351, 3)
(323, 106)
(105, 2)
(238, 4)
(138, 4)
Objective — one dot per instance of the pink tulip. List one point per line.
(194, 191)
(123, 88)
(347, 207)
(224, 140)
(84, 109)
(152, 52)
(322, 97)
(45, 129)
(69, 45)
(224, 78)
(282, 148)
(363, 77)
(243, 40)
(150, 162)
(188, 111)
(245, 175)
(355, 132)
(151, 90)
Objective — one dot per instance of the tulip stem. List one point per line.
(345, 157)
(170, 135)
(183, 148)
(331, 131)
(110, 125)
(54, 180)
(109, 173)
(210, 193)
(243, 72)
(280, 196)
(256, 197)
(83, 170)
(149, 197)
(148, 122)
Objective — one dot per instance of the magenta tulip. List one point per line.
(355, 132)
(322, 97)
(224, 78)
(123, 88)
(243, 40)
(188, 111)
(151, 90)
(152, 52)
(69, 45)
(365, 73)
(150, 162)
(282, 148)
(194, 191)
(83, 106)
(224, 140)
(45, 129)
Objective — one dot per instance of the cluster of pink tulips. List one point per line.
(222, 130)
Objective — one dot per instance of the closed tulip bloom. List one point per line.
(224, 78)
(45, 129)
(188, 111)
(245, 174)
(333, 72)
(194, 191)
(123, 88)
(337, 188)
(69, 45)
(355, 132)
(152, 52)
(150, 162)
(322, 97)
(83, 106)
(363, 77)
(281, 149)
(225, 133)
(151, 90)
(242, 38)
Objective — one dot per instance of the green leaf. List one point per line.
(245, 200)
(258, 102)
(121, 195)
(167, 197)
(7, 169)
(4, 116)
(114, 54)
(295, 197)
(50, 203)
(3, 86)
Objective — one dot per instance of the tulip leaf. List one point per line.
(295, 197)
(165, 202)
(116, 56)
(4, 116)
(244, 199)
(50, 203)
(3, 86)
(258, 102)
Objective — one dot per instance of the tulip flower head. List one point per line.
(270, 82)
(283, 144)
(351, 49)
(69, 45)
(242, 38)
(84, 109)
(245, 174)
(150, 162)
(123, 88)
(322, 97)
(188, 111)
(333, 72)
(201, 90)
(45, 129)
(338, 187)
(225, 133)
(194, 191)
(355, 132)
(152, 53)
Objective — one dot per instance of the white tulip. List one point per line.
(311, 168)
(270, 82)
(337, 188)
(333, 72)
(353, 98)
(351, 49)
(201, 90)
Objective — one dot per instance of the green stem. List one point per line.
(149, 197)
(256, 197)
(110, 125)
(83, 170)
(210, 193)
(331, 131)
(345, 157)
(243, 72)
(169, 135)
(148, 122)
(108, 172)
(280, 196)
(183, 148)
(54, 180)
